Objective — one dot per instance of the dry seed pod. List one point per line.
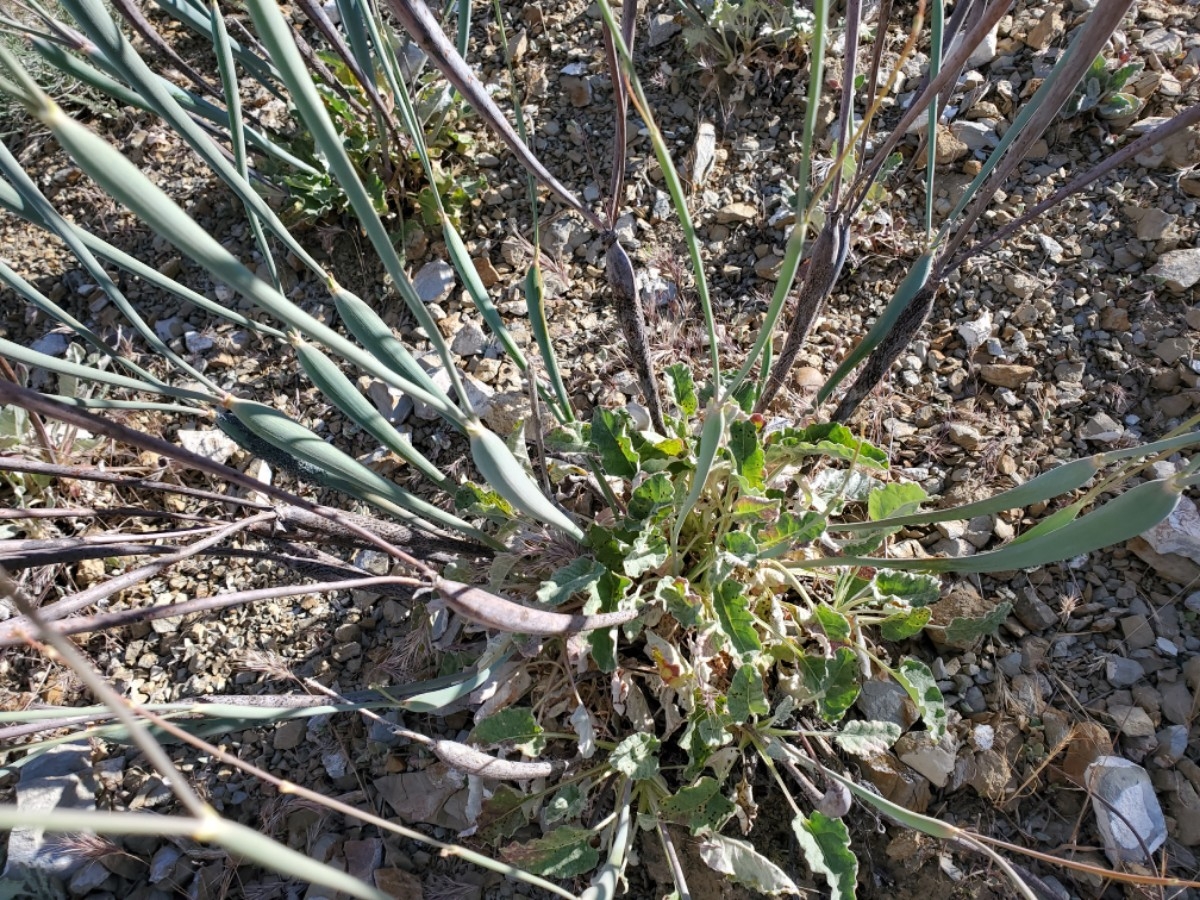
(496, 612)
(623, 281)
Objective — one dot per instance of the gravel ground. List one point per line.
(1075, 337)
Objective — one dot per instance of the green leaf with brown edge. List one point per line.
(734, 617)
(563, 853)
(833, 623)
(747, 451)
(515, 724)
(700, 806)
(916, 679)
(825, 843)
(636, 757)
(902, 626)
(745, 697)
(867, 738)
(963, 630)
(832, 682)
(787, 532)
(673, 592)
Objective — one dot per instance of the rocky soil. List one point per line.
(1077, 336)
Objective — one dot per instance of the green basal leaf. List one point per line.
(674, 594)
(563, 853)
(912, 588)
(648, 551)
(916, 679)
(514, 725)
(902, 626)
(654, 494)
(569, 437)
(580, 575)
(742, 546)
(502, 815)
(833, 623)
(613, 444)
(747, 451)
(830, 485)
(479, 501)
(706, 731)
(825, 843)
(565, 806)
(829, 440)
(699, 807)
(787, 533)
(895, 499)
(867, 738)
(636, 757)
(1117, 106)
(683, 388)
(745, 697)
(656, 452)
(831, 682)
(610, 589)
(745, 865)
(754, 507)
(734, 617)
(963, 630)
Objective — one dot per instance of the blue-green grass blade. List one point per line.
(237, 134)
(535, 301)
(195, 17)
(908, 289)
(1121, 519)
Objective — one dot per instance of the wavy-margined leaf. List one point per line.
(610, 588)
(912, 588)
(502, 815)
(564, 806)
(745, 697)
(742, 546)
(826, 846)
(829, 440)
(921, 686)
(788, 532)
(648, 551)
(636, 757)
(745, 865)
(747, 451)
(683, 388)
(867, 738)
(680, 602)
(895, 499)
(700, 806)
(904, 625)
(832, 683)
(563, 853)
(515, 724)
(833, 623)
(733, 614)
(579, 575)
(963, 630)
(655, 493)
(613, 444)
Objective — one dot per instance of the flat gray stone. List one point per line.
(61, 778)
(1124, 787)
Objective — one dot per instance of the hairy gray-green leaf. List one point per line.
(867, 738)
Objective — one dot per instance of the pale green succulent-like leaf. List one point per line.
(867, 738)
(745, 865)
